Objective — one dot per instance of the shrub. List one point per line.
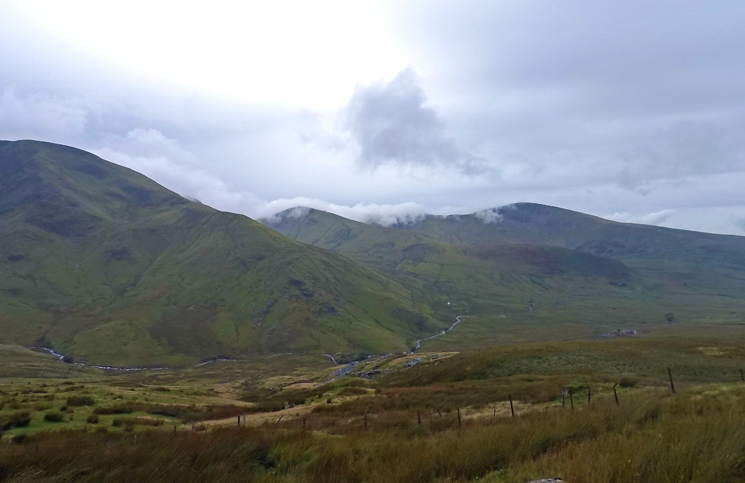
(80, 401)
(627, 382)
(352, 391)
(131, 422)
(19, 439)
(54, 417)
(18, 419)
(125, 408)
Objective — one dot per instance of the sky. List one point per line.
(382, 111)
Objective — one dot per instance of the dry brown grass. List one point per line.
(695, 436)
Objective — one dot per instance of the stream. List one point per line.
(445, 331)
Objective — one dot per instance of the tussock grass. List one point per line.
(695, 436)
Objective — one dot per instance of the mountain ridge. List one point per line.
(104, 264)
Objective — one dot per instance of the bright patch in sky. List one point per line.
(292, 53)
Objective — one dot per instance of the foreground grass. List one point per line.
(695, 436)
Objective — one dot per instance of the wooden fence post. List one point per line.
(418, 417)
(439, 413)
(571, 400)
(239, 421)
(280, 419)
(512, 408)
(670, 374)
(495, 413)
(615, 394)
(589, 395)
(459, 424)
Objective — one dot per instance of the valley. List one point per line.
(164, 340)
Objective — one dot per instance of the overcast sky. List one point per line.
(630, 110)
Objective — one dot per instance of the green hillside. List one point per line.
(532, 272)
(100, 262)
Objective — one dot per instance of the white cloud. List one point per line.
(153, 154)
(655, 218)
(385, 215)
(492, 215)
(39, 116)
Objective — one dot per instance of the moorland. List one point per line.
(148, 337)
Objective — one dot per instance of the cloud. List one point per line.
(492, 215)
(39, 116)
(150, 152)
(655, 218)
(682, 149)
(390, 124)
(383, 214)
(739, 222)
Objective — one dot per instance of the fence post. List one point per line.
(512, 408)
(670, 374)
(418, 417)
(244, 419)
(615, 394)
(439, 413)
(280, 419)
(571, 400)
(459, 424)
(239, 421)
(589, 395)
(495, 413)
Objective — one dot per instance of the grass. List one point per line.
(698, 435)
(139, 425)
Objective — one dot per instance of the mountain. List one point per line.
(102, 263)
(545, 266)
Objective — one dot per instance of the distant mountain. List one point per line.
(535, 224)
(533, 262)
(102, 263)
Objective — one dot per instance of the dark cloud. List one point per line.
(391, 124)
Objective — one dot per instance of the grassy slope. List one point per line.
(535, 255)
(413, 433)
(101, 262)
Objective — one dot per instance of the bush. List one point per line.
(54, 417)
(92, 419)
(352, 391)
(627, 382)
(80, 401)
(19, 439)
(125, 408)
(131, 422)
(18, 419)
